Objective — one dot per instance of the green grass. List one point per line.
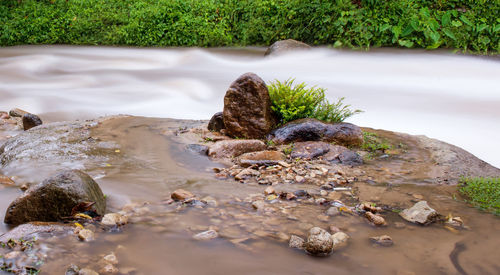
(295, 101)
(373, 143)
(466, 25)
(483, 193)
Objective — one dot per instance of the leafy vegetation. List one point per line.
(469, 25)
(483, 193)
(373, 143)
(291, 102)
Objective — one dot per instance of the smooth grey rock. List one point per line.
(420, 213)
(310, 129)
(55, 197)
(286, 46)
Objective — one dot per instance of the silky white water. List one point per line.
(449, 97)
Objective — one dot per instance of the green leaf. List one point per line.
(449, 33)
(446, 19)
(481, 27)
(384, 27)
(465, 20)
(407, 31)
(496, 28)
(434, 36)
(405, 43)
(456, 23)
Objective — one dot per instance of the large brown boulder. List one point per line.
(55, 197)
(310, 129)
(247, 108)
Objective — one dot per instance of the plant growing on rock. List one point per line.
(295, 101)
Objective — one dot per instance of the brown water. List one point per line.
(152, 163)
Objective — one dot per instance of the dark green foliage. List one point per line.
(291, 102)
(483, 193)
(469, 25)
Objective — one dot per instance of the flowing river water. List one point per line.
(453, 98)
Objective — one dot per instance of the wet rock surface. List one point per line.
(319, 242)
(234, 148)
(261, 158)
(216, 123)
(30, 121)
(420, 213)
(301, 193)
(286, 46)
(310, 129)
(383, 240)
(247, 108)
(55, 198)
(28, 231)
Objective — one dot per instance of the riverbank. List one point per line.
(137, 160)
(464, 25)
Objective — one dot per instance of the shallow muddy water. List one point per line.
(449, 97)
(153, 162)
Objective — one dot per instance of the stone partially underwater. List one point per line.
(56, 198)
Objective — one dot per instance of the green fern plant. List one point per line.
(291, 102)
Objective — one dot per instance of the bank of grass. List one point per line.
(483, 193)
(468, 25)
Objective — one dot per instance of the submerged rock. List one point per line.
(309, 129)
(55, 198)
(420, 213)
(181, 194)
(285, 46)
(234, 148)
(28, 231)
(247, 108)
(206, 235)
(377, 220)
(4, 180)
(216, 123)
(197, 149)
(114, 219)
(87, 271)
(296, 242)
(261, 158)
(383, 240)
(319, 242)
(30, 121)
(86, 235)
(339, 240)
